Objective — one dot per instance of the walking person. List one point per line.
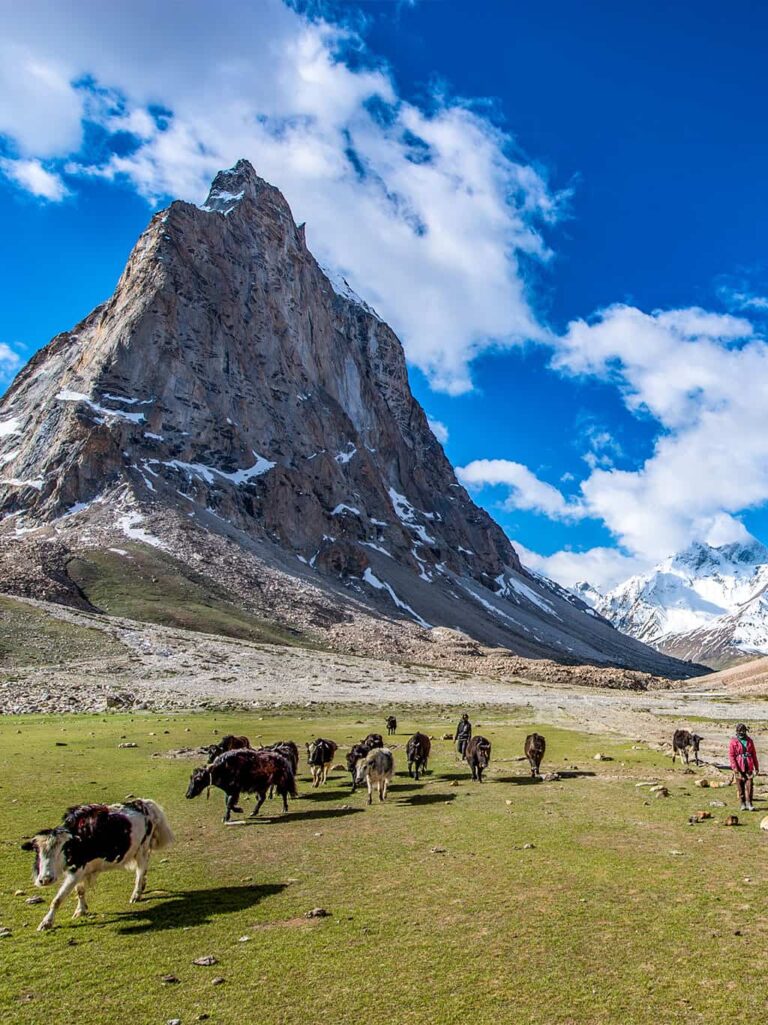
(463, 733)
(743, 758)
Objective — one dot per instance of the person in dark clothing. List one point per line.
(463, 733)
(743, 758)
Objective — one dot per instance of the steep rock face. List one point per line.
(234, 407)
(705, 603)
(226, 367)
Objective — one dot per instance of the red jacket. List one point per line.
(736, 756)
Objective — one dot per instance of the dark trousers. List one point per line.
(462, 745)
(745, 785)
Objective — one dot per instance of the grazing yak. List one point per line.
(681, 741)
(248, 772)
(391, 725)
(228, 743)
(320, 755)
(359, 751)
(535, 746)
(93, 838)
(478, 755)
(376, 769)
(417, 752)
(374, 740)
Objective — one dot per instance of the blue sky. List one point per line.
(560, 207)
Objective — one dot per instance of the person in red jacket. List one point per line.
(743, 758)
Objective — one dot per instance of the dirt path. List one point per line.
(173, 669)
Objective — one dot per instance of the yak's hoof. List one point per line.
(45, 925)
(240, 810)
(134, 899)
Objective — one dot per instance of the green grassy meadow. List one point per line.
(599, 922)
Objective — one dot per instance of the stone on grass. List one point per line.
(764, 823)
(317, 913)
(128, 743)
(731, 820)
(551, 777)
(702, 783)
(206, 961)
(438, 850)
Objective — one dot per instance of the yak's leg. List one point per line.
(259, 801)
(64, 891)
(285, 800)
(231, 804)
(82, 907)
(142, 864)
(370, 791)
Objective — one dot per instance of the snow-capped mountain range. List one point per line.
(708, 604)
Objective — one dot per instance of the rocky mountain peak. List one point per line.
(234, 387)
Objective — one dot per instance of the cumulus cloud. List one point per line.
(428, 211)
(31, 176)
(439, 430)
(602, 567)
(526, 490)
(703, 377)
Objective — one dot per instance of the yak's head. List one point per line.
(361, 768)
(199, 781)
(49, 846)
(696, 740)
(483, 755)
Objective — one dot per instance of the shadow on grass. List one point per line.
(193, 907)
(417, 799)
(301, 816)
(405, 786)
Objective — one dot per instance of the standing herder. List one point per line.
(463, 733)
(743, 758)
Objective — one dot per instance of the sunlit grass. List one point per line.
(598, 922)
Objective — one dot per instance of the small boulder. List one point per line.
(205, 962)
(551, 777)
(317, 913)
(704, 783)
(731, 820)
(764, 823)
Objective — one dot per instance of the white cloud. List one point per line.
(10, 361)
(31, 176)
(427, 211)
(527, 491)
(602, 567)
(439, 430)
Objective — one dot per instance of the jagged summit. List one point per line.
(707, 602)
(229, 390)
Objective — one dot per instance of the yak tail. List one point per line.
(162, 834)
(292, 785)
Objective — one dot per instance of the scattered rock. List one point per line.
(677, 854)
(764, 823)
(661, 792)
(602, 758)
(551, 777)
(218, 981)
(731, 820)
(20, 893)
(34, 900)
(702, 783)
(719, 804)
(169, 980)
(447, 736)
(4, 932)
(438, 850)
(700, 816)
(317, 913)
(128, 743)
(453, 783)
(529, 846)
(206, 962)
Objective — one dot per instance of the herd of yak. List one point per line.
(236, 768)
(95, 837)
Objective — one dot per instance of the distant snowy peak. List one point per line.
(706, 591)
(588, 593)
